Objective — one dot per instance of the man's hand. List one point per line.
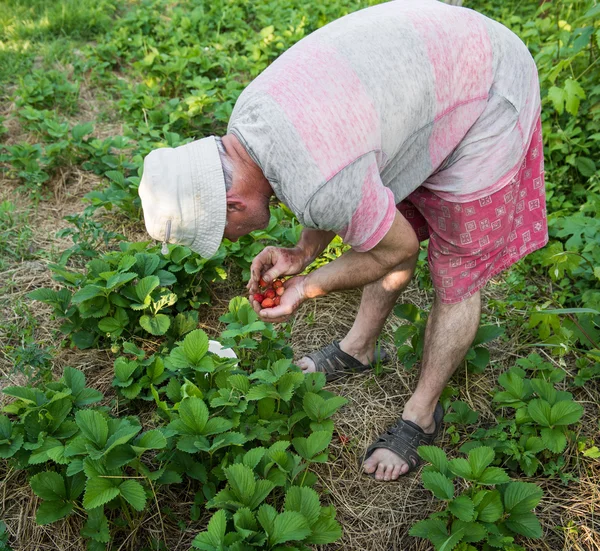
(273, 262)
(293, 297)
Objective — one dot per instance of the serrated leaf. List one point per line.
(252, 457)
(151, 440)
(99, 491)
(93, 425)
(194, 414)
(49, 485)
(242, 482)
(96, 526)
(145, 286)
(557, 96)
(554, 439)
(88, 292)
(565, 413)
(521, 497)
(460, 467)
(441, 486)
(574, 93)
(525, 524)
(462, 508)
(479, 459)
(305, 501)
(195, 346)
(540, 411)
(51, 511)
(155, 325)
(289, 526)
(133, 492)
(493, 475)
(489, 508)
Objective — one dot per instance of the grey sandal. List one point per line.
(335, 363)
(404, 438)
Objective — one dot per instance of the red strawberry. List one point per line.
(263, 283)
(268, 303)
(258, 297)
(270, 293)
(280, 291)
(276, 301)
(277, 284)
(344, 439)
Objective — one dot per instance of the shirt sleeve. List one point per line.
(355, 204)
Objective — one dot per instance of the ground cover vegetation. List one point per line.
(171, 446)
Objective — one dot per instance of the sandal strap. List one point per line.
(405, 437)
(334, 362)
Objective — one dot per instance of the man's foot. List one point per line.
(363, 355)
(384, 464)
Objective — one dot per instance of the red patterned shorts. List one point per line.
(469, 243)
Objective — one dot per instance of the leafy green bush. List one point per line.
(489, 514)
(536, 435)
(247, 434)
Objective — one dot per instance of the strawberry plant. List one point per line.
(124, 293)
(536, 434)
(490, 513)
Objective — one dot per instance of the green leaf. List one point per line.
(573, 94)
(124, 368)
(525, 524)
(88, 292)
(252, 457)
(151, 440)
(81, 130)
(99, 491)
(145, 286)
(49, 485)
(540, 411)
(309, 447)
(521, 497)
(462, 508)
(319, 409)
(565, 413)
(557, 96)
(441, 486)
(156, 325)
(586, 166)
(96, 526)
(194, 414)
(326, 530)
(133, 492)
(436, 456)
(51, 511)
(289, 526)
(242, 482)
(461, 467)
(74, 379)
(433, 530)
(487, 333)
(479, 459)
(195, 346)
(488, 505)
(493, 475)
(93, 426)
(305, 501)
(214, 536)
(554, 439)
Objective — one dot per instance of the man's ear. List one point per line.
(235, 204)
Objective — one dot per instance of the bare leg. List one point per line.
(376, 303)
(450, 331)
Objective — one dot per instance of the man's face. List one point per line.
(244, 217)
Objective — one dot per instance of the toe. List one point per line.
(396, 471)
(388, 473)
(306, 364)
(370, 465)
(380, 473)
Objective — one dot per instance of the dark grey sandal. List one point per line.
(335, 363)
(404, 438)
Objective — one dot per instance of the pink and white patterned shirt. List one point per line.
(356, 116)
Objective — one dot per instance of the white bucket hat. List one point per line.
(183, 196)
